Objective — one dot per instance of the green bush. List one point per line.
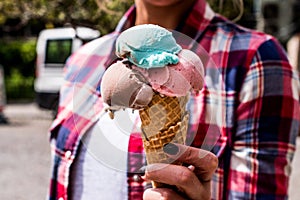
(19, 87)
(17, 57)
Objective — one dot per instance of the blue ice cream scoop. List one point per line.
(148, 46)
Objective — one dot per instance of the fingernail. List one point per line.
(171, 149)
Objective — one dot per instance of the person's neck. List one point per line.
(167, 17)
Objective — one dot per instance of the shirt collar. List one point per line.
(192, 25)
(197, 20)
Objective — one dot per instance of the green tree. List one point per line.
(100, 14)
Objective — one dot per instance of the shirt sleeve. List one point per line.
(267, 121)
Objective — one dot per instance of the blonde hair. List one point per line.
(219, 5)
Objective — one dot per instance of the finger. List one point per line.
(180, 176)
(161, 193)
(205, 162)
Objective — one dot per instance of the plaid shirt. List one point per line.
(248, 110)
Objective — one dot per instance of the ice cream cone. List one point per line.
(164, 120)
(154, 77)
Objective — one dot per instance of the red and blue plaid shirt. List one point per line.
(248, 111)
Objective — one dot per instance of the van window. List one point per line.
(57, 51)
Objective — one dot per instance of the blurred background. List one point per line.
(31, 34)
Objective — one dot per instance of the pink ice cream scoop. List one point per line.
(176, 80)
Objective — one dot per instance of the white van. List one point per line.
(54, 46)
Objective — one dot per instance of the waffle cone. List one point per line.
(164, 120)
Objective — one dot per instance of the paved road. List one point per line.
(25, 155)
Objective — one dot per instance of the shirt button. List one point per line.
(68, 155)
(136, 178)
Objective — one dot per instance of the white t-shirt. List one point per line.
(100, 168)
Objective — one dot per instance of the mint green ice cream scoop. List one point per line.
(148, 46)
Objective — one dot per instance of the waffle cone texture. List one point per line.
(164, 120)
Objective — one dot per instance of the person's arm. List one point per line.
(267, 121)
(192, 182)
